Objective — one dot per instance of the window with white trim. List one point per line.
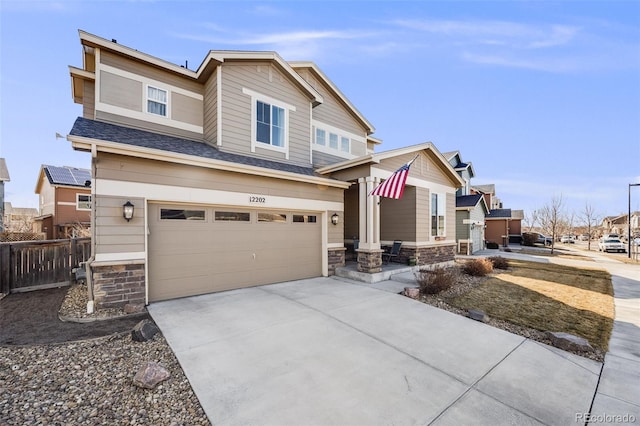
(332, 140)
(438, 209)
(270, 124)
(157, 101)
(321, 137)
(83, 201)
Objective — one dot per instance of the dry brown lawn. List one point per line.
(546, 296)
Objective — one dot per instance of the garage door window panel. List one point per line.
(228, 216)
(181, 214)
(266, 217)
(303, 218)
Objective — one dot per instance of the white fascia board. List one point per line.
(94, 40)
(335, 90)
(86, 144)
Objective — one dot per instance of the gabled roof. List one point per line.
(378, 157)
(107, 137)
(296, 65)
(213, 59)
(4, 171)
(63, 176)
(455, 159)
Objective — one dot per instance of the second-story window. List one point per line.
(270, 124)
(156, 101)
(83, 202)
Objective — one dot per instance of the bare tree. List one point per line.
(590, 219)
(531, 219)
(551, 218)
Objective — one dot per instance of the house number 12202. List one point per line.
(254, 199)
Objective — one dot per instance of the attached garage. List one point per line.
(197, 249)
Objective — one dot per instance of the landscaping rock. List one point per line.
(149, 375)
(478, 315)
(568, 342)
(144, 330)
(412, 292)
(133, 308)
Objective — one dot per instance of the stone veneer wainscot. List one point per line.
(116, 285)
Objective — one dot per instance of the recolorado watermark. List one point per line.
(605, 418)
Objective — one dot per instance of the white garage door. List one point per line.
(203, 249)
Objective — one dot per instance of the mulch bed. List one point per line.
(32, 318)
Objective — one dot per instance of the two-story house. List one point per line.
(249, 170)
(471, 208)
(64, 196)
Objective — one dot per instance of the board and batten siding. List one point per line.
(265, 79)
(113, 234)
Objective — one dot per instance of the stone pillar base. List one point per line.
(336, 259)
(370, 261)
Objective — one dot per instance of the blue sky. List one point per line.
(542, 97)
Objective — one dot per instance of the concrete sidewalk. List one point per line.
(327, 352)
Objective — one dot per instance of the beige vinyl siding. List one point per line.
(120, 91)
(321, 159)
(426, 167)
(148, 71)
(398, 217)
(89, 100)
(186, 109)
(335, 232)
(210, 117)
(332, 111)
(146, 125)
(358, 148)
(113, 234)
(423, 214)
(352, 207)
(265, 79)
(450, 216)
(115, 167)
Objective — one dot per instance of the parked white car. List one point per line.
(611, 244)
(567, 239)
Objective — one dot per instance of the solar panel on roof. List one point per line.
(68, 175)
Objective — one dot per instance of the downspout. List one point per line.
(90, 303)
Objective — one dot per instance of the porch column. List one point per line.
(369, 253)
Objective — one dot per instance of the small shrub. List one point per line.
(529, 239)
(435, 281)
(499, 262)
(478, 267)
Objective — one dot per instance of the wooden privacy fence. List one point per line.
(34, 265)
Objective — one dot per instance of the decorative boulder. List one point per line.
(412, 292)
(568, 342)
(149, 375)
(144, 330)
(478, 315)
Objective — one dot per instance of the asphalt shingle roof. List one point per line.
(499, 213)
(110, 132)
(71, 176)
(468, 200)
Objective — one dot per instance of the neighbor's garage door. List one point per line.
(196, 249)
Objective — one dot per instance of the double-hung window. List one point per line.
(270, 124)
(437, 215)
(157, 101)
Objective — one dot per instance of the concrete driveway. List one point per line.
(328, 351)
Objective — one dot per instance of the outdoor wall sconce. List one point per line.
(127, 210)
(334, 218)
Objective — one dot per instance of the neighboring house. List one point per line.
(249, 170)
(19, 219)
(489, 192)
(4, 177)
(620, 224)
(64, 201)
(471, 211)
(504, 226)
(471, 208)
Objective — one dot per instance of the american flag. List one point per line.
(393, 187)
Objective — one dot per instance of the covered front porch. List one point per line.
(423, 219)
